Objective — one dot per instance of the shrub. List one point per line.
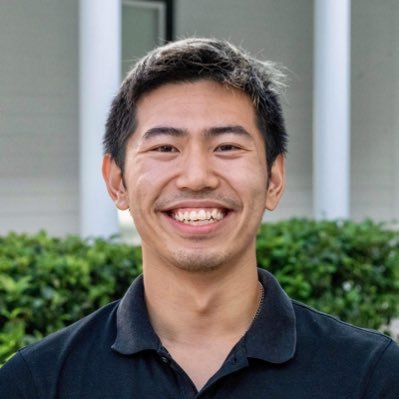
(47, 283)
(347, 269)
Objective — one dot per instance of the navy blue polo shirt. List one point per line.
(290, 351)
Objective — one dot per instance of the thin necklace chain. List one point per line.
(260, 304)
(259, 308)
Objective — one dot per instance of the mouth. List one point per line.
(198, 216)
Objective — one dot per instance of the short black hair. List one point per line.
(196, 59)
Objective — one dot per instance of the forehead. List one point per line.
(195, 105)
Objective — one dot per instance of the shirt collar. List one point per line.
(134, 330)
(271, 337)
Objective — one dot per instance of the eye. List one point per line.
(165, 148)
(226, 147)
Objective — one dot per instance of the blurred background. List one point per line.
(62, 61)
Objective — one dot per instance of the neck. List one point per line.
(201, 307)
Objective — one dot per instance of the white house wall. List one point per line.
(375, 109)
(38, 116)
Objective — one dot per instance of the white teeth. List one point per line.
(198, 216)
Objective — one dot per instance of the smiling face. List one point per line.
(195, 176)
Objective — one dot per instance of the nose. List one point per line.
(196, 172)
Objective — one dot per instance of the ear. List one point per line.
(276, 183)
(112, 175)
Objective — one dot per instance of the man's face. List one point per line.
(195, 175)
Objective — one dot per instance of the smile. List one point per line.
(198, 216)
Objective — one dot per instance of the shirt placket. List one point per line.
(186, 387)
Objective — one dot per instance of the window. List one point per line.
(145, 24)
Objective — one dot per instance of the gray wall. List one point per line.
(39, 101)
(375, 109)
(39, 116)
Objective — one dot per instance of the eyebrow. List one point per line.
(164, 131)
(210, 132)
(235, 129)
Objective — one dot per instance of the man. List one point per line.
(194, 148)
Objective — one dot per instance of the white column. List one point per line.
(99, 63)
(331, 109)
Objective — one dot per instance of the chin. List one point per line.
(199, 262)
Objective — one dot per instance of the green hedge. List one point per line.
(347, 269)
(47, 283)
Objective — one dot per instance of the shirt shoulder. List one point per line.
(367, 357)
(16, 380)
(33, 372)
(312, 322)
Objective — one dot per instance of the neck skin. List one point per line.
(199, 308)
(199, 317)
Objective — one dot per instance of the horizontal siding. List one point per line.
(31, 204)
(375, 105)
(58, 225)
(395, 105)
(39, 116)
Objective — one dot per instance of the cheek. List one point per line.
(145, 181)
(135, 179)
(147, 171)
(247, 177)
(251, 192)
